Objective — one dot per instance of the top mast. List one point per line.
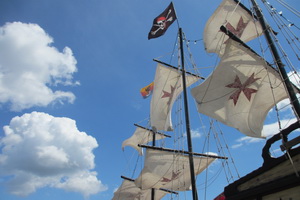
(187, 120)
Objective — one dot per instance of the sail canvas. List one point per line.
(238, 93)
(141, 136)
(236, 19)
(167, 87)
(129, 191)
(169, 170)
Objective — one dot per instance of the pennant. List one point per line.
(162, 22)
(147, 91)
(237, 19)
(129, 191)
(169, 170)
(141, 136)
(238, 93)
(168, 86)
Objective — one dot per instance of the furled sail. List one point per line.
(238, 93)
(141, 136)
(167, 87)
(129, 191)
(169, 170)
(237, 19)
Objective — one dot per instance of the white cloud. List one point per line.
(235, 146)
(83, 182)
(39, 150)
(271, 129)
(246, 140)
(195, 133)
(284, 105)
(294, 78)
(268, 131)
(29, 65)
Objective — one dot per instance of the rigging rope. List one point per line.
(285, 29)
(290, 8)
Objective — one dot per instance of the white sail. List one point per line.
(236, 19)
(169, 170)
(167, 87)
(129, 191)
(238, 93)
(141, 136)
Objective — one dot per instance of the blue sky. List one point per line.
(75, 81)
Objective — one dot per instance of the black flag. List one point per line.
(162, 22)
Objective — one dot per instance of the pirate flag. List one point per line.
(162, 22)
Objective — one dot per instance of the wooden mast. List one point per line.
(187, 120)
(153, 144)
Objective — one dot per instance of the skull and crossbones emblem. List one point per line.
(161, 22)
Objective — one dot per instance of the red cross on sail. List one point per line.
(168, 85)
(239, 29)
(236, 19)
(175, 176)
(160, 164)
(169, 94)
(241, 90)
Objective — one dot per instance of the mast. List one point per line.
(187, 120)
(279, 64)
(153, 145)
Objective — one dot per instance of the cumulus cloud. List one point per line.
(294, 78)
(195, 133)
(246, 140)
(39, 150)
(29, 66)
(268, 131)
(273, 128)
